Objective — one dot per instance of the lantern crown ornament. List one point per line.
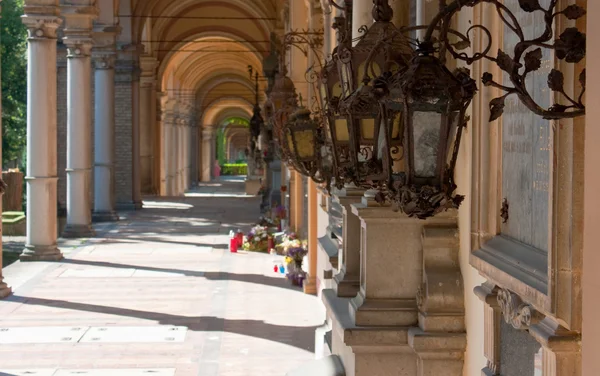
(369, 158)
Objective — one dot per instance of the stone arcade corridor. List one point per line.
(162, 277)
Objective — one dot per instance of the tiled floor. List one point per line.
(158, 294)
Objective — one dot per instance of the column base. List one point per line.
(109, 216)
(368, 350)
(346, 286)
(78, 232)
(5, 290)
(439, 353)
(383, 312)
(310, 286)
(41, 253)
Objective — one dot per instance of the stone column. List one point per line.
(207, 139)
(194, 152)
(181, 148)
(161, 122)
(135, 149)
(310, 284)
(347, 282)
(298, 197)
(5, 290)
(172, 153)
(147, 123)
(188, 156)
(79, 43)
(41, 179)
(104, 137)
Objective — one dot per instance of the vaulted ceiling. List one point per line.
(204, 48)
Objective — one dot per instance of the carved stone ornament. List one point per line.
(41, 27)
(78, 49)
(104, 61)
(516, 312)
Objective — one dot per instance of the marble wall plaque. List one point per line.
(527, 145)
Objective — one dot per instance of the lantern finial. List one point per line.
(382, 11)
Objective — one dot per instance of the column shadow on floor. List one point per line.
(299, 337)
(214, 276)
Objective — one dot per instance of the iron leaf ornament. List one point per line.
(530, 5)
(527, 55)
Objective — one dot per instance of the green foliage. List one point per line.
(14, 81)
(222, 141)
(221, 147)
(234, 169)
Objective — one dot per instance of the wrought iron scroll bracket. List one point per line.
(570, 46)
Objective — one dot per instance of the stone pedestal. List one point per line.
(347, 281)
(41, 178)
(253, 184)
(408, 315)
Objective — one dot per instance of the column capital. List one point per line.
(78, 47)
(104, 59)
(207, 133)
(79, 22)
(148, 65)
(105, 36)
(41, 26)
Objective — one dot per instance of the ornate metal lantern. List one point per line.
(284, 99)
(336, 124)
(305, 143)
(370, 147)
(433, 102)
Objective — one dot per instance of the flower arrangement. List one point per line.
(280, 213)
(257, 239)
(289, 241)
(294, 259)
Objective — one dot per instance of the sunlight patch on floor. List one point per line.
(166, 205)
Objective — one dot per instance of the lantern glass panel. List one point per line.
(367, 129)
(426, 141)
(373, 69)
(341, 130)
(337, 89)
(305, 143)
(397, 127)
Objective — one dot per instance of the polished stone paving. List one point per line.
(159, 294)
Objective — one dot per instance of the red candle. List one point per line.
(271, 243)
(240, 238)
(233, 245)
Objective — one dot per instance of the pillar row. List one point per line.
(41, 179)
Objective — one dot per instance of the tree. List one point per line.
(14, 81)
